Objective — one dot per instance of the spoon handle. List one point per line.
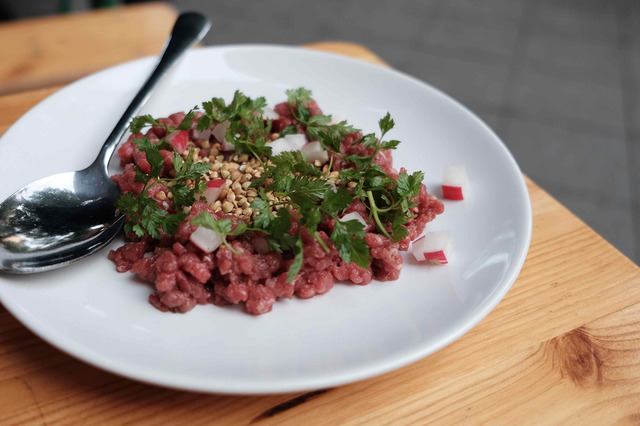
(189, 29)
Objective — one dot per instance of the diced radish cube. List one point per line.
(214, 188)
(179, 140)
(433, 247)
(201, 134)
(269, 114)
(354, 216)
(227, 146)
(455, 183)
(337, 119)
(315, 152)
(219, 132)
(279, 146)
(288, 143)
(296, 142)
(206, 239)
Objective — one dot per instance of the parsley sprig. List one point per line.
(317, 126)
(142, 121)
(224, 227)
(142, 211)
(303, 188)
(247, 130)
(388, 200)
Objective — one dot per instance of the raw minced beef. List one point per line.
(183, 276)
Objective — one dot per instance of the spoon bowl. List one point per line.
(58, 219)
(62, 218)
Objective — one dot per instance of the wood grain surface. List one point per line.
(56, 50)
(562, 347)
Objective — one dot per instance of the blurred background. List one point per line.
(557, 80)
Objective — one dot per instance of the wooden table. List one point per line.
(563, 346)
(47, 51)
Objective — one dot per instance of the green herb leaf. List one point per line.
(409, 185)
(289, 130)
(390, 144)
(153, 155)
(265, 217)
(386, 123)
(182, 195)
(335, 202)
(138, 123)
(295, 267)
(303, 113)
(298, 96)
(171, 223)
(348, 237)
(304, 190)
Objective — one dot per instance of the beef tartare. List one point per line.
(237, 203)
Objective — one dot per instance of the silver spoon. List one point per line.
(65, 217)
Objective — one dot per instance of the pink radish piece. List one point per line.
(202, 134)
(315, 152)
(296, 142)
(269, 114)
(179, 140)
(288, 143)
(354, 216)
(337, 119)
(214, 188)
(455, 184)
(433, 247)
(227, 146)
(279, 146)
(206, 239)
(219, 132)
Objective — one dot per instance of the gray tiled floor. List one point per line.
(556, 79)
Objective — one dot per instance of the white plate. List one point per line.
(99, 316)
